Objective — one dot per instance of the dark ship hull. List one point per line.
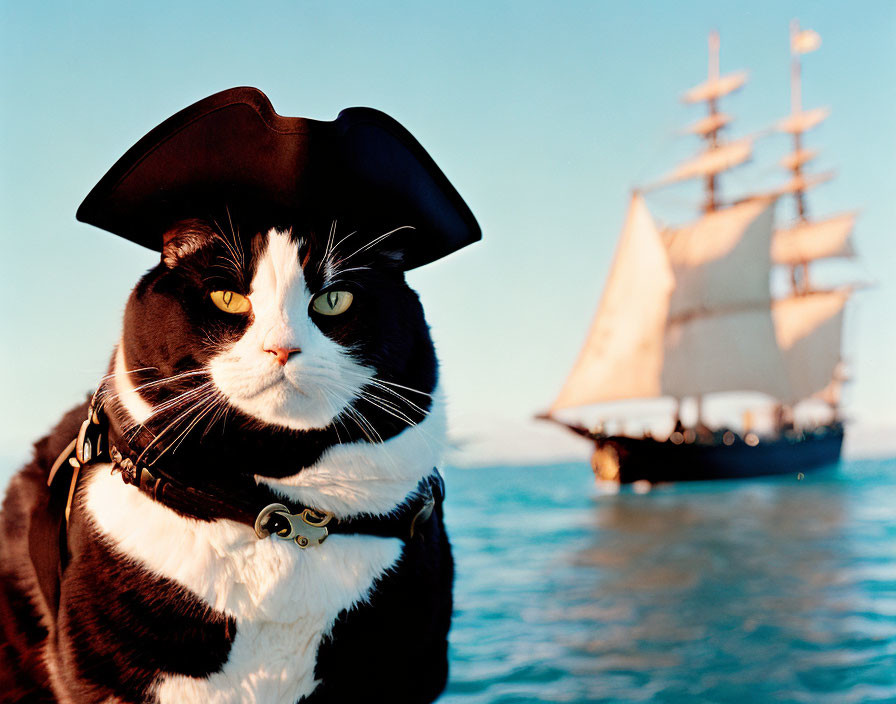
(627, 459)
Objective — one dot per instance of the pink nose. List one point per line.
(283, 354)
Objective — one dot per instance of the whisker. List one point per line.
(339, 243)
(110, 375)
(401, 386)
(219, 413)
(391, 383)
(170, 379)
(170, 404)
(236, 238)
(397, 395)
(174, 401)
(388, 407)
(359, 417)
(179, 418)
(376, 241)
(328, 247)
(210, 405)
(220, 234)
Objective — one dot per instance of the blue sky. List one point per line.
(542, 114)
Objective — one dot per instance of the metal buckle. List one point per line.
(90, 438)
(306, 528)
(83, 446)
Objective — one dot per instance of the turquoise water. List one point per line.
(778, 590)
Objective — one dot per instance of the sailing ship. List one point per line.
(688, 311)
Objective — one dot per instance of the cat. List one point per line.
(260, 363)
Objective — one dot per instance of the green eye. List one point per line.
(332, 302)
(230, 301)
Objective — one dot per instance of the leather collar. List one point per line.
(99, 441)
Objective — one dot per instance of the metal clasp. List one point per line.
(89, 444)
(306, 528)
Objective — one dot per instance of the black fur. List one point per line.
(117, 627)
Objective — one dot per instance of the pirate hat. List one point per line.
(232, 151)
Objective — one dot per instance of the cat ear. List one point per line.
(183, 239)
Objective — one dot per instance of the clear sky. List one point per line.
(543, 115)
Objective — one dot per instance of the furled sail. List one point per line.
(712, 161)
(798, 158)
(720, 335)
(808, 241)
(804, 182)
(623, 352)
(715, 87)
(709, 124)
(803, 120)
(808, 328)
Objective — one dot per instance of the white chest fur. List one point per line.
(284, 599)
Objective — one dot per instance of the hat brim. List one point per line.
(233, 151)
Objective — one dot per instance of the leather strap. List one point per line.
(100, 440)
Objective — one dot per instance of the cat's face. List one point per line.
(278, 328)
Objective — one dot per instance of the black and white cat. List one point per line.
(259, 363)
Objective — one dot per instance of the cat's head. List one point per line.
(280, 328)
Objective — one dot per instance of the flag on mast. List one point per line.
(805, 41)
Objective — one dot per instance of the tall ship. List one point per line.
(688, 311)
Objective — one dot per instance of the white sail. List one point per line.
(712, 161)
(808, 241)
(808, 329)
(803, 120)
(623, 352)
(720, 336)
(715, 87)
(732, 351)
(722, 261)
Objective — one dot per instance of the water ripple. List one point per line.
(765, 590)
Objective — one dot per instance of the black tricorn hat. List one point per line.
(231, 150)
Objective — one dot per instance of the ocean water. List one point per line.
(766, 590)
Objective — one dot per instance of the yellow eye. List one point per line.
(332, 302)
(230, 301)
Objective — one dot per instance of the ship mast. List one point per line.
(795, 108)
(718, 154)
(800, 43)
(809, 321)
(712, 136)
